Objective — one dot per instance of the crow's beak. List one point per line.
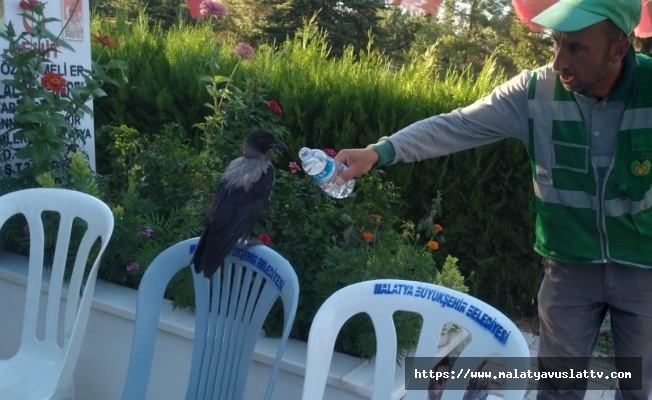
(276, 144)
(279, 145)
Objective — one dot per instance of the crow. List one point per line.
(242, 194)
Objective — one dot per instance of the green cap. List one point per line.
(573, 15)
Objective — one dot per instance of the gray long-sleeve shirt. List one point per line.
(504, 113)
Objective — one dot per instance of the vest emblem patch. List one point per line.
(641, 168)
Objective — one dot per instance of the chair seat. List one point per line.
(26, 377)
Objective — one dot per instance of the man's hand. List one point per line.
(358, 161)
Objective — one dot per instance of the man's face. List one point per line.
(587, 62)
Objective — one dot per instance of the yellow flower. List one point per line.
(438, 227)
(367, 236)
(433, 245)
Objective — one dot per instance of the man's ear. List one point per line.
(619, 49)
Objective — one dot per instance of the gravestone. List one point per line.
(74, 24)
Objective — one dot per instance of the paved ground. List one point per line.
(603, 390)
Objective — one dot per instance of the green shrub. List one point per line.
(336, 103)
(162, 87)
(351, 101)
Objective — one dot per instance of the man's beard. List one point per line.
(586, 87)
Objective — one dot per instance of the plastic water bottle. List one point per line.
(324, 170)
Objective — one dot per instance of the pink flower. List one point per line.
(264, 239)
(147, 232)
(330, 152)
(294, 167)
(245, 51)
(28, 5)
(274, 107)
(212, 9)
(132, 266)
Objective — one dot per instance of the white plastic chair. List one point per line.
(52, 334)
(230, 311)
(380, 299)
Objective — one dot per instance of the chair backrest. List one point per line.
(437, 305)
(230, 310)
(48, 341)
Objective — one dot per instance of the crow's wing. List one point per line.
(231, 216)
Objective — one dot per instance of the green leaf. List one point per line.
(220, 79)
(85, 110)
(25, 153)
(34, 117)
(41, 154)
(58, 120)
(99, 93)
(29, 135)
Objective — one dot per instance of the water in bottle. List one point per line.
(324, 171)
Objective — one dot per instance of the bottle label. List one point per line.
(325, 175)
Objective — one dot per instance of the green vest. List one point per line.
(576, 221)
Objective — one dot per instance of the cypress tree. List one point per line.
(348, 22)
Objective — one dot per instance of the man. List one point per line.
(437, 385)
(586, 122)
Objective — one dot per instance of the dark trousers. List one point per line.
(573, 301)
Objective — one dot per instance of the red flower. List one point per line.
(330, 152)
(274, 107)
(264, 239)
(28, 5)
(54, 82)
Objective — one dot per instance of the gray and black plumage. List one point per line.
(241, 197)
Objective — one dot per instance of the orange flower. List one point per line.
(104, 39)
(54, 82)
(378, 217)
(438, 227)
(433, 245)
(367, 236)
